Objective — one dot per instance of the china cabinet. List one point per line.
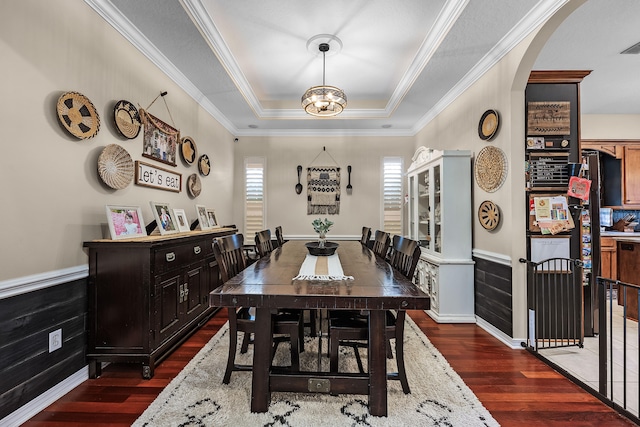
(440, 219)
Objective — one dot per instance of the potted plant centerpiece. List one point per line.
(322, 228)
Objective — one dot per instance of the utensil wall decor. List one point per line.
(298, 185)
(349, 187)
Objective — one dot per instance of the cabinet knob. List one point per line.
(171, 256)
(196, 250)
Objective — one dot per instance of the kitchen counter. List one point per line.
(621, 235)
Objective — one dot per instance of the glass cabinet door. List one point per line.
(424, 209)
(413, 230)
(437, 209)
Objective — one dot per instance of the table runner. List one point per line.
(321, 268)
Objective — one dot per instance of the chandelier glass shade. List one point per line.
(324, 101)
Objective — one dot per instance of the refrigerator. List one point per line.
(588, 214)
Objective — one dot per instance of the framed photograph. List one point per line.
(160, 141)
(213, 221)
(203, 218)
(181, 220)
(163, 215)
(125, 222)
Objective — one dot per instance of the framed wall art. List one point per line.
(160, 141)
(203, 218)
(125, 222)
(165, 220)
(152, 176)
(181, 220)
(213, 221)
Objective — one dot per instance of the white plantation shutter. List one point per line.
(254, 203)
(392, 195)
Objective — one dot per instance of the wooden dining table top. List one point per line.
(269, 283)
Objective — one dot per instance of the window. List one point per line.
(254, 198)
(392, 195)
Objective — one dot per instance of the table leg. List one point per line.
(262, 344)
(377, 364)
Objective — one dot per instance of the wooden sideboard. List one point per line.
(147, 295)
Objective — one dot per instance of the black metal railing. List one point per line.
(619, 345)
(554, 303)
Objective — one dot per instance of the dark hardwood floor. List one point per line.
(517, 388)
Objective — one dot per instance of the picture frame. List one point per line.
(125, 222)
(160, 141)
(203, 218)
(211, 216)
(181, 220)
(165, 221)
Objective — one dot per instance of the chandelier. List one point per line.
(324, 101)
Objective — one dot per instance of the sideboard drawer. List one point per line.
(167, 259)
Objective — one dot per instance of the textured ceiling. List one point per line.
(400, 63)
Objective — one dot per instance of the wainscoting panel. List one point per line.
(27, 368)
(493, 294)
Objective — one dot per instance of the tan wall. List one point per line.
(288, 209)
(610, 126)
(52, 196)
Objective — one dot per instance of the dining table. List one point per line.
(274, 282)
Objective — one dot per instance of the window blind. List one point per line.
(254, 198)
(392, 195)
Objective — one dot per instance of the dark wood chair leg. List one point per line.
(246, 340)
(334, 342)
(233, 343)
(400, 352)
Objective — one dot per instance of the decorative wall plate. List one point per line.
(127, 119)
(204, 165)
(489, 215)
(491, 168)
(78, 115)
(115, 166)
(194, 185)
(188, 149)
(489, 123)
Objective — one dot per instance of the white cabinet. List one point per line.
(440, 218)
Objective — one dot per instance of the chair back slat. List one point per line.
(366, 235)
(229, 255)
(279, 236)
(405, 254)
(381, 244)
(263, 242)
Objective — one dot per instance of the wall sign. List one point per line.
(152, 176)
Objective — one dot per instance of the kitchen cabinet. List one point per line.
(620, 171)
(629, 272)
(147, 295)
(608, 258)
(439, 185)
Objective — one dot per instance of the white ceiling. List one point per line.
(401, 62)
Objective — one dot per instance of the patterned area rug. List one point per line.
(197, 397)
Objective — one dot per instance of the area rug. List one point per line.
(197, 397)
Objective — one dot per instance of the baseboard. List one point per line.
(35, 406)
(439, 318)
(514, 343)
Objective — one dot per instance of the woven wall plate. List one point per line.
(115, 166)
(204, 165)
(491, 168)
(188, 150)
(194, 185)
(489, 215)
(488, 126)
(127, 119)
(78, 115)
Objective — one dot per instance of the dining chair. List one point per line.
(263, 243)
(353, 331)
(279, 236)
(366, 235)
(231, 260)
(381, 244)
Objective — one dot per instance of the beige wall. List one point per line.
(52, 196)
(288, 209)
(610, 126)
